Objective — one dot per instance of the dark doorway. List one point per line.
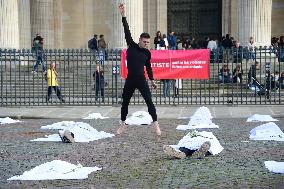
(195, 18)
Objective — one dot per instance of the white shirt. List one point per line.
(166, 42)
(212, 45)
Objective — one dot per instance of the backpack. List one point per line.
(90, 44)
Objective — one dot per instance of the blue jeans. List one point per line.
(251, 55)
(102, 56)
(166, 88)
(39, 60)
(225, 79)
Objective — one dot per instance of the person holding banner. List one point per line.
(138, 56)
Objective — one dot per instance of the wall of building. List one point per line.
(71, 23)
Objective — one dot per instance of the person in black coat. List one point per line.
(99, 82)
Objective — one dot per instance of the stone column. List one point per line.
(229, 17)
(134, 14)
(155, 18)
(162, 16)
(254, 20)
(45, 18)
(58, 40)
(9, 26)
(226, 17)
(24, 24)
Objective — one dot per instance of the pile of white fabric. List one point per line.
(259, 118)
(139, 118)
(194, 139)
(8, 120)
(274, 166)
(56, 169)
(83, 132)
(202, 118)
(95, 116)
(268, 131)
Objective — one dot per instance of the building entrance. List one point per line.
(195, 18)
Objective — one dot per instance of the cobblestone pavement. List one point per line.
(136, 159)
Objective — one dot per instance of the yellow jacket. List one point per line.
(51, 78)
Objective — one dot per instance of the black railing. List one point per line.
(20, 86)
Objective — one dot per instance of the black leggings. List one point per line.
(129, 87)
(56, 89)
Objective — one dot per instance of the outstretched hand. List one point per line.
(122, 9)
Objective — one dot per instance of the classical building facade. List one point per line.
(71, 23)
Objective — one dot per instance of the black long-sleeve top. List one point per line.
(137, 57)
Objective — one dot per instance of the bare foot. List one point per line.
(157, 127)
(121, 128)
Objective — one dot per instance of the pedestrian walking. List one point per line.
(52, 83)
(37, 48)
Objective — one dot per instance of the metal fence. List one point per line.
(20, 86)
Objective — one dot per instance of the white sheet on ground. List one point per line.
(202, 118)
(8, 120)
(83, 132)
(274, 166)
(139, 118)
(56, 169)
(259, 117)
(268, 131)
(197, 126)
(95, 116)
(202, 112)
(183, 117)
(194, 139)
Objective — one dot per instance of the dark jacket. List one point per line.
(99, 78)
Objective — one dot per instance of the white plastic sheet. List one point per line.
(139, 118)
(8, 120)
(83, 132)
(194, 139)
(95, 116)
(268, 131)
(56, 169)
(202, 118)
(259, 118)
(274, 166)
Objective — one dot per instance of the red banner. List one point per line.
(176, 64)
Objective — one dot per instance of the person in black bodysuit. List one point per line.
(138, 56)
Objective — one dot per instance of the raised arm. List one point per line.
(127, 33)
